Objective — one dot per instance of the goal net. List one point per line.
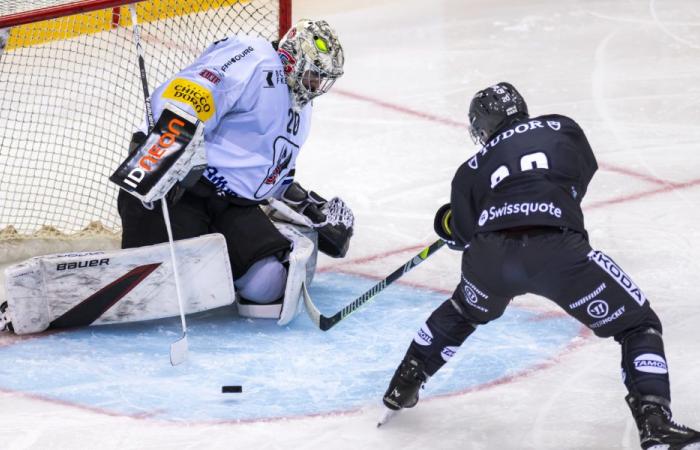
(72, 96)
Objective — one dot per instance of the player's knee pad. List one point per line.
(299, 266)
(264, 281)
(440, 336)
(644, 367)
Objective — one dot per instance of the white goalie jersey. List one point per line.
(252, 134)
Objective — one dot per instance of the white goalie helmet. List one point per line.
(312, 58)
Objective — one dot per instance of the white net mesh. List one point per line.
(8, 7)
(72, 97)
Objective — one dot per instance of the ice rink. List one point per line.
(388, 139)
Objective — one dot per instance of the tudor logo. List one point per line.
(473, 163)
(598, 309)
(554, 125)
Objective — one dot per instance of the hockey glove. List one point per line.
(170, 150)
(332, 219)
(443, 226)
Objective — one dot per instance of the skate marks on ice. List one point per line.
(286, 371)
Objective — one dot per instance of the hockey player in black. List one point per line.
(515, 214)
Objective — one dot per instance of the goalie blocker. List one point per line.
(172, 149)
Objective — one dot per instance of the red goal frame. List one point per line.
(68, 9)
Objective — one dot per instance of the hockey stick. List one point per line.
(178, 349)
(326, 322)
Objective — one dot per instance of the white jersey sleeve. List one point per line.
(202, 89)
(252, 135)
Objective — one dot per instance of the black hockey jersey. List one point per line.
(534, 172)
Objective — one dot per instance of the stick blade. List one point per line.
(178, 351)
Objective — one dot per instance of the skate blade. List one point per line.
(386, 416)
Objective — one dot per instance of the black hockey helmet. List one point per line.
(493, 108)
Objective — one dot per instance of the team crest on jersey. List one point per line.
(554, 125)
(273, 78)
(283, 154)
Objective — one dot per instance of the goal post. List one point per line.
(71, 98)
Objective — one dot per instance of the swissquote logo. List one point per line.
(525, 208)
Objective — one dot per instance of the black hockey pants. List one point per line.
(560, 265)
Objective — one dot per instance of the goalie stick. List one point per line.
(178, 349)
(327, 322)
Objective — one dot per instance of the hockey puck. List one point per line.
(231, 389)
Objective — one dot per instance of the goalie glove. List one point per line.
(332, 219)
(171, 151)
(443, 227)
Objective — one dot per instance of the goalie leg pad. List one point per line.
(299, 272)
(77, 289)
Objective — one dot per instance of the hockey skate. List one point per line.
(405, 384)
(5, 324)
(657, 431)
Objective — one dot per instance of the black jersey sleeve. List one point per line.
(587, 160)
(463, 208)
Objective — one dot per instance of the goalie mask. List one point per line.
(493, 108)
(312, 58)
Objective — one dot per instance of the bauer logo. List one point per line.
(650, 363)
(193, 94)
(424, 336)
(82, 264)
